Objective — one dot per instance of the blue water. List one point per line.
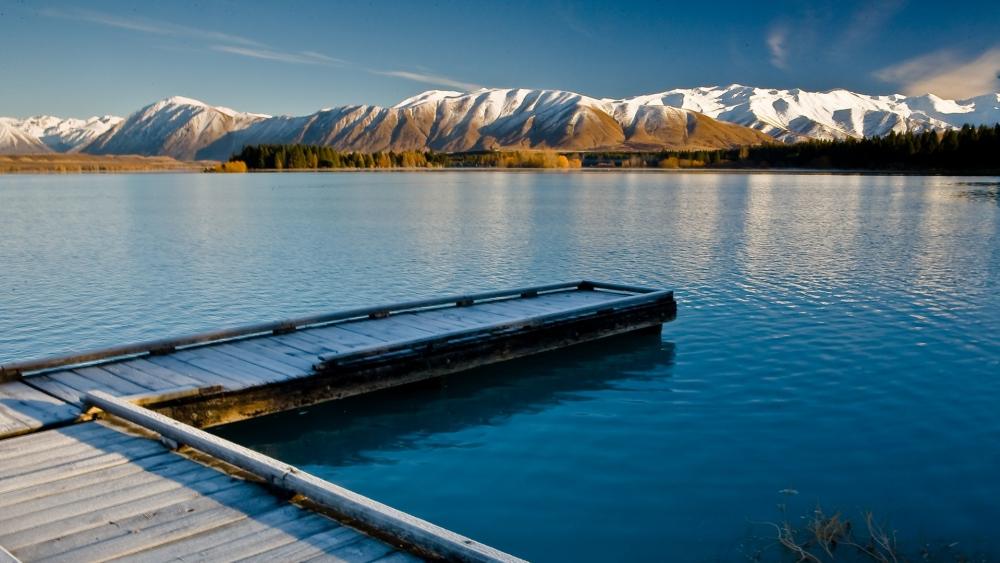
(838, 336)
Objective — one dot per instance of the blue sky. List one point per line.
(111, 57)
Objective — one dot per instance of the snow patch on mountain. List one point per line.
(15, 141)
(794, 115)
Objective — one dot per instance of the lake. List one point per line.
(837, 341)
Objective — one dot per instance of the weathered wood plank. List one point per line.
(367, 549)
(285, 524)
(386, 330)
(436, 323)
(296, 359)
(304, 342)
(170, 377)
(28, 462)
(110, 382)
(234, 368)
(54, 384)
(66, 470)
(10, 426)
(48, 439)
(126, 371)
(38, 510)
(279, 343)
(81, 526)
(317, 544)
(99, 477)
(474, 315)
(522, 307)
(499, 309)
(33, 407)
(149, 529)
(194, 372)
(338, 338)
(265, 359)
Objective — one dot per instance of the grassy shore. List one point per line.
(75, 163)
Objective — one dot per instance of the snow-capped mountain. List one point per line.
(793, 115)
(65, 135)
(696, 118)
(492, 119)
(15, 141)
(176, 127)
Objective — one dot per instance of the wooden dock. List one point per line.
(72, 488)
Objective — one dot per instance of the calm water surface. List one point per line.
(837, 335)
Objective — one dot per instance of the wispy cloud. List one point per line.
(302, 58)
(240, 46)
(777, 39)
(428, 79)
(946, 73)
(566, 13)
(867, 22)
(145, 25)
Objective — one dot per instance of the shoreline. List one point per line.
(198, 168)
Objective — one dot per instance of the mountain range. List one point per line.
(696, 118)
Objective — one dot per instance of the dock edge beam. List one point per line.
(419, 536)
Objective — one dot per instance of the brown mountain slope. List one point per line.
(493, 120)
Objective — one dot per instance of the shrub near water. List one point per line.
(231, 167)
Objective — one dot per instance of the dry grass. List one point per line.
(822, 538)
(75, 163)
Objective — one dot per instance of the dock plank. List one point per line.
(37, 511)
(25, 463)
(436, 322)
(265, 359)
(68, 485)
(172, 377)
(503, 310)
(242, 538)
(313, 546)
(11, 426)
(338, 339)
(206, 377)
(367, 549)
(127, 371)
(297, 359)
(245, 373)
(21, 445)
(303, 342)
(47, 384)
(107, 381)
(78, 526)
(386, 330)
(57, 384)
(54, 473)
(170, 523)
(31, 406)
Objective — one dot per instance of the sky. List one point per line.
(112, 57)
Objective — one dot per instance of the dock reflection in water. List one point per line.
(354, 430)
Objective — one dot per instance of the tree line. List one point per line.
(291, 157)
(972, 149)
(969, 149)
